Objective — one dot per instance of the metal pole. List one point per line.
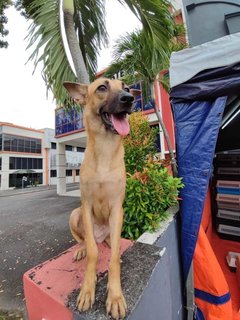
(190, 302)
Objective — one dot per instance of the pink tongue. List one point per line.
(121, 125)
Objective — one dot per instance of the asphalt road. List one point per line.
(33, 228)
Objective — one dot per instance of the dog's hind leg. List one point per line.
(76, 228)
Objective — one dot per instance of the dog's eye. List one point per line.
(126, 89)
(102, 88)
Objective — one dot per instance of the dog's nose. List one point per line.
(126, 97)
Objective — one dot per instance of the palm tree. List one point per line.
(86, 33)
(141, 59)
(4, 4)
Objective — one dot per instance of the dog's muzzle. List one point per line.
(115, 117)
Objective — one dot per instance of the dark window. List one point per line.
(27, 145)
(80, 149)
(12, 163)
(7, 143)
(68, 148)
(30, 163)
(38, 147)
(68, 173)
(35, 163)
(33, 146)
(14, 146)
(20, 144)
(53, 173)
(25, 163)
(15, 180)
(53, 145)
(157, 142)
(77, 172)
(0, 164)
(19, 163)
(0, 142)
(39, 163)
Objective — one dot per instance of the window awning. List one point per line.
(24, 171)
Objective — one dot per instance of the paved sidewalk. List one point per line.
(70, 188)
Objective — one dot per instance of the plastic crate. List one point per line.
(228, 201)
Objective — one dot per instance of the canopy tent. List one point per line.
(205, 80)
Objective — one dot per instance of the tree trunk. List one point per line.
(77, 57)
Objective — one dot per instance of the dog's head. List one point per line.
(108, 100)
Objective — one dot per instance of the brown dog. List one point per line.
(102, 180)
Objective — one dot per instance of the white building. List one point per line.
(29, 157)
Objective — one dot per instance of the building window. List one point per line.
(68, 173)
(0, 164)
(80, 149)
(0, 142)
(15, 180)
(53, 173)
(77, 172)
(68, 148)
(68, 120)
(20, 144)
(53, 145)
(25, 163)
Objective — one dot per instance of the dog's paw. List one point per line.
(116, 305)
(86, 297)
(79, 254)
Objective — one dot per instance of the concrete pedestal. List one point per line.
(51, 289)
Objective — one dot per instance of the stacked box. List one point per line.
(227, 188)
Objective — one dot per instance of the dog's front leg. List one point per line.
(116, 304)
(87, 294)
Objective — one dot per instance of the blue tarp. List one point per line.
(198, 106)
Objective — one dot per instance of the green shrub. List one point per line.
(139, 144)
(148, 195)
(150, 189)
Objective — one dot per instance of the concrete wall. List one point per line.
(168, 275)
(206, 20)
(170, 240)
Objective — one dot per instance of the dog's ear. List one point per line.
(135, 92)
(77, 91)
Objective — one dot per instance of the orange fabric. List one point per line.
(221, 248)
(208, 277)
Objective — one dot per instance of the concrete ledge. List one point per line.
(138, 267)
(150, 276)
(48, 285)
(51, 289)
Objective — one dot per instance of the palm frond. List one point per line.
(45, 36)
(136, 52)
(157, 20)
(90, 25)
